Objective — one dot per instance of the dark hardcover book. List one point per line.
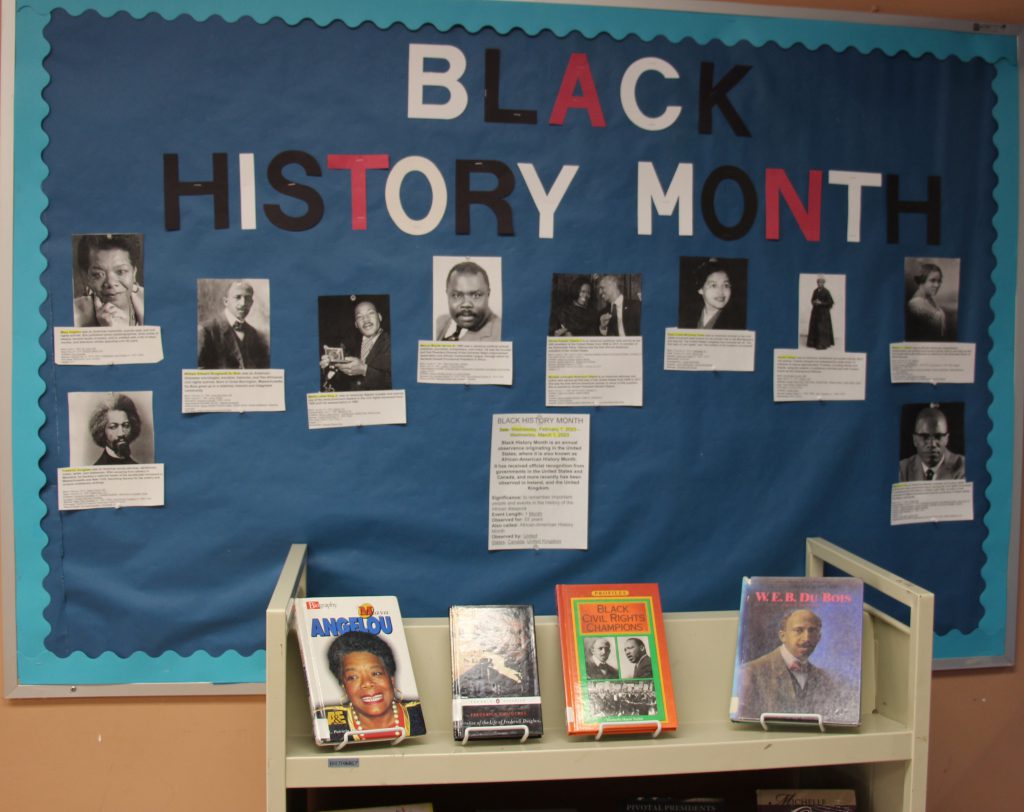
(806, 800)
(495, 684)
(614, 659)
(798, 655)
(659, 804)
(358, 669)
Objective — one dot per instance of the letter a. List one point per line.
(577, 72)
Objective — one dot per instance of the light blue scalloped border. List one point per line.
(38, 666)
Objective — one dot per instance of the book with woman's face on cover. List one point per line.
(358, 669)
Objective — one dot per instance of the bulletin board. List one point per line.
(828, 148)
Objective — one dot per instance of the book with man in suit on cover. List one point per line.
(614, 659)
(798, 653)
(495, 683)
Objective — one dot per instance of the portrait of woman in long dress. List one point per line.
(819, 331)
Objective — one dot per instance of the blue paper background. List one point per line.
(709, 481)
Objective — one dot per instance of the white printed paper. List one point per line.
(335, 410)
(465, 362)
(812, 375)
(595, 371)
(948, 500)
(110, 486)
(232, 390)
(694, 350)
(539, 481)
(98, 346)
(931, 362)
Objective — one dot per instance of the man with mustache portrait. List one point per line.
(114, 425)
(469, 316)
(785, 680)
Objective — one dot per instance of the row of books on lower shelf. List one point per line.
(798, 659)
(766, 800)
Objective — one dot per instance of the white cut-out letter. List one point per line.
(420, 77)
(547, 203)
(854, 182)
(678, 195)
(247, 190)
(627, 94)
(393, 195)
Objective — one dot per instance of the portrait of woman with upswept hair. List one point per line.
(931, 287)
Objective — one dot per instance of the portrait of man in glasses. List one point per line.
(932, 458)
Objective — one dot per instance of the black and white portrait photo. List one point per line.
(822, 311)
(602, 658)
(931, 289)
(108, 280)
(932, 442)
(110, 428)
(712, 293)
(620, 297)
(355, 342)
(467, 299)
(234, 324)
(636, 657)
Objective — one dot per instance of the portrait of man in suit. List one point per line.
(356, 347)
(932, 458)
(119, 424)
(598, 653)
(468, 314)
(620, 315)
(227, 339)
(635, 650)
(785, 680)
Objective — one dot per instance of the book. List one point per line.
(798, 654)
(614, 659)
(401, 808)
(806, 800)
(495, 683)
(358, 670)
(660, 804)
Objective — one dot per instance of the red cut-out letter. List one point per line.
(808, 219)
(358, 164)
(578, 72)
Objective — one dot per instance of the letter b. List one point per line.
(419, 78)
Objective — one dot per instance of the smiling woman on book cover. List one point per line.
(365, 667)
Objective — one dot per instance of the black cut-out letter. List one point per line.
(931, 208)
(493, 111)
(494, 198)
(175, 188)
(712, 96)
(707, 202)
(307, 194)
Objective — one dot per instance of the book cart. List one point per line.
(886, 757)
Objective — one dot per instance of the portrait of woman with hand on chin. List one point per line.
(108, 280)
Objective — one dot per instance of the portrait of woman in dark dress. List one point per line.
(819, 331)
(575, 317)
